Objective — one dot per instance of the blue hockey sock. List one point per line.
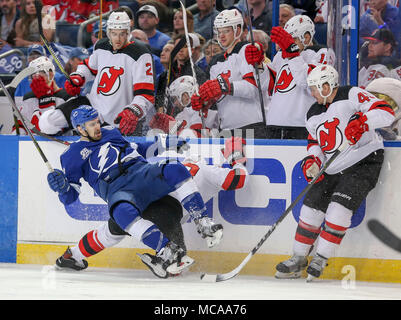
(194, 204)
(154, 239)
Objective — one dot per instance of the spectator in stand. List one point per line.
(95, 33)
(197, 54)
(141, 36)
(203, 21)
(260, 14)
(165, 54)
(77, 56)
(27, 28)
(9, 15)
(379, 60)
(286, 12)
(379, 14)
(210, 49)
(181, 66)
(148, 19)
(178, 23)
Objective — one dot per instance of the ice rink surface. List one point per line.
(27, 282)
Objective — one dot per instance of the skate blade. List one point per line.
(310, 278)
(176, 269)
(291, 275)
(215, 240)
(156, 270)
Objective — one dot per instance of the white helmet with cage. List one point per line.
(229, 18)
(43, 64)
(119, 21)
(181, 90)
(323, 74)
(298, 26)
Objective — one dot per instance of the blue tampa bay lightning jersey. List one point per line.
(93, 161)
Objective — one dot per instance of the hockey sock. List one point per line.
(309, 227)
(95, 241)
(154, 239)
(337, 222)
(194, 204)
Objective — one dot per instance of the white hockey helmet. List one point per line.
(298, 26)
(43, 64)
(322, 74)
(118, 20)
(229, 18)
(387, 89)
(178, 88)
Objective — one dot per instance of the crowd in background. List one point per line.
(160, 25)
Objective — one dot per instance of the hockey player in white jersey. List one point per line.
(340, 115)
(123, 75)
(210, 179)
(232, 84)
(187, 120)
(285, 78)
(45, 94)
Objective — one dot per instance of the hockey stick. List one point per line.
(234, 272)
(262, 105)
(184, 17)
(384, 234)
(44, 135)
(10, 99)
(38, 7)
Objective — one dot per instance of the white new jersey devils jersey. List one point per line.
(210, 179)
(375, 71)
(121, 78)
(285, 81)
(326, 126)
(190, 119)
(243, 107)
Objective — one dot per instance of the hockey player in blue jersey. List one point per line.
(120, 174)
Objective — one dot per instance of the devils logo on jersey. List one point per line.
(284, 80)
(110, 80)
(329, 135)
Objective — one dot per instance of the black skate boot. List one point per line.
(66, 261)
(169, 261)
(291, 268)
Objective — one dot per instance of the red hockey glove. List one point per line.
(129, 118)
(285, 42)
(40, 88)
(311, 167)
(214, 89)
(162, 121)
(234, 150)
(356, 127)
(196, 102)
(254, 54)
(73, 87)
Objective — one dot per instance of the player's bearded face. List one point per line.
(118, 38)
(92, 128)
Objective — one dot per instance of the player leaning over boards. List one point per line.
(120, 175)
(123, 81)
(284, 80)
(339, 114)
(232, 83)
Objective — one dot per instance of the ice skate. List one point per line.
(291, 268)
(169, 261)
(316, 267)
(66, 261)
(209, 230)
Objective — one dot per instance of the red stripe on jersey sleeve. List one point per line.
(250, 78)
(382, 105)
(311, 142)
(144, 86)
(86, 63)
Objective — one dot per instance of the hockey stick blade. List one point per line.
(384, 234)
(233, 273)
